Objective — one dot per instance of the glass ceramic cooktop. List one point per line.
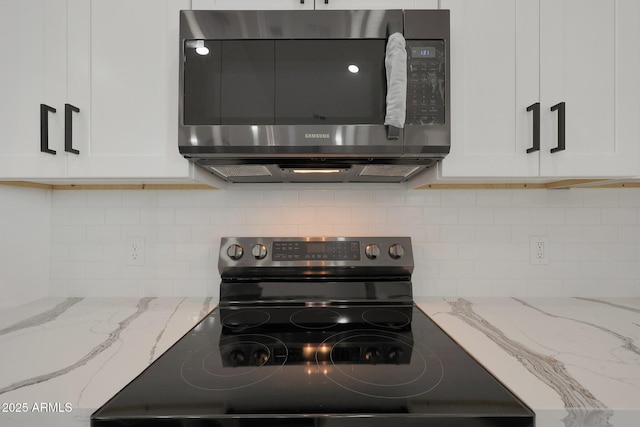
(304, 366)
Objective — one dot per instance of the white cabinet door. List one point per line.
(580, 56)
(628, 83)
(582, 64)
(376, 4)
(128, 90)
(251, 4)
(32, 36)
(494, 78)
(310, 4)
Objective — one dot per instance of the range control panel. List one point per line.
(342, 250)
(255, 253)
(426, 82)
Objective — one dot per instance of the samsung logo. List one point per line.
(317, 135)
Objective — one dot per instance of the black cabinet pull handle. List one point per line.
(326, 1)
(536, 127)
(44, 128)
(301, 1)
(68, 128)
(561, 126)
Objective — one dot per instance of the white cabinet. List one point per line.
(251, 5)
(128, 86)
(32, 45)
(376, 4)
(117, 63)
(494, 78)
(311, 4)
(126, 78)
(508, 55)
(588, 62)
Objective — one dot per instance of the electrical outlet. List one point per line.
(135, 251)
(539, 246)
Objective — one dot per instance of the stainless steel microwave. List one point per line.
(315, 96)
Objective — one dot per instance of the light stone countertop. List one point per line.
(73, 354)
(575, 362)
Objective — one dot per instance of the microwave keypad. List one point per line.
(425, 82)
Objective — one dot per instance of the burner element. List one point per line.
(316, 318)
(234, 362)
(387, 318)
(391, 366)
(245, 319)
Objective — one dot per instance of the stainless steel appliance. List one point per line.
(315, 332)
(320, 96)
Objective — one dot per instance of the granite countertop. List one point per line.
(575, 362)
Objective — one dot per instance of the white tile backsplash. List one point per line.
(619, 216)
(629, 234)
(582, 216)
(25, 229)
(122, 216)
(466, 242)
(316, 197)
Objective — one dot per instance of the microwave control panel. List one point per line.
(426, 82)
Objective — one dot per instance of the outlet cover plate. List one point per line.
(539, 250)
(135, 251)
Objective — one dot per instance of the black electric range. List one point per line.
(315, 332)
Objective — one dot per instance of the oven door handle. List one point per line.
(395, 62)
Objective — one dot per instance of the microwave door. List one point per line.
(287, 97)
(336, 82)
(230, 83)
(286, 82)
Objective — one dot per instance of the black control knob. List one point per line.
(235, 252)
(372, 251)
(237, 358)
(396, 251)
(395, 355)
(259, 251)
(372, 355)
(260, 357)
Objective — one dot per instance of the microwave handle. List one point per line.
(396, 70)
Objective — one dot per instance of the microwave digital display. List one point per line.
(423, 52)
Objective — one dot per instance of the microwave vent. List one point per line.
(241, 170)
(388, 170)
